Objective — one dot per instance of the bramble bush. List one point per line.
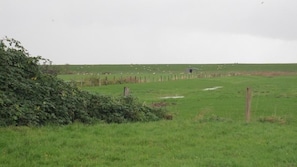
(31, 95)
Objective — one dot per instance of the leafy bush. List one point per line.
(31, 95)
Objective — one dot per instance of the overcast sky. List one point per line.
(154, 31)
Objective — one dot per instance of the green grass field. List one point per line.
(97, 75)
(208, 127)
(174, 68)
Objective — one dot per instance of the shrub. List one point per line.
(31, 94)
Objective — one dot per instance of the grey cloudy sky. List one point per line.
(154, 31)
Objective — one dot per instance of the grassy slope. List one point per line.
(208, 129)
(175, 68)
(150, 72)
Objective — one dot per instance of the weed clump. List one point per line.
(206, 116)
(273, 119)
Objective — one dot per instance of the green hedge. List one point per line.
(30, 96)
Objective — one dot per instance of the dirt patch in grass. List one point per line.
(162, 104)
(159, 104)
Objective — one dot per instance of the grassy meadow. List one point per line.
(97, 75)
(208, 126)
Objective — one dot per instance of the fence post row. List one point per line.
(144, 79)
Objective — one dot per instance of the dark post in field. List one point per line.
(126, 91)
(248, 104)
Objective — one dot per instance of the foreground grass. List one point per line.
(208, 129)
(165, 143)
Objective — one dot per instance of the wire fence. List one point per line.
(123, 79)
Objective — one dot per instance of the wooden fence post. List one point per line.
(99, 81)
(248, 104)
(126, 91)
